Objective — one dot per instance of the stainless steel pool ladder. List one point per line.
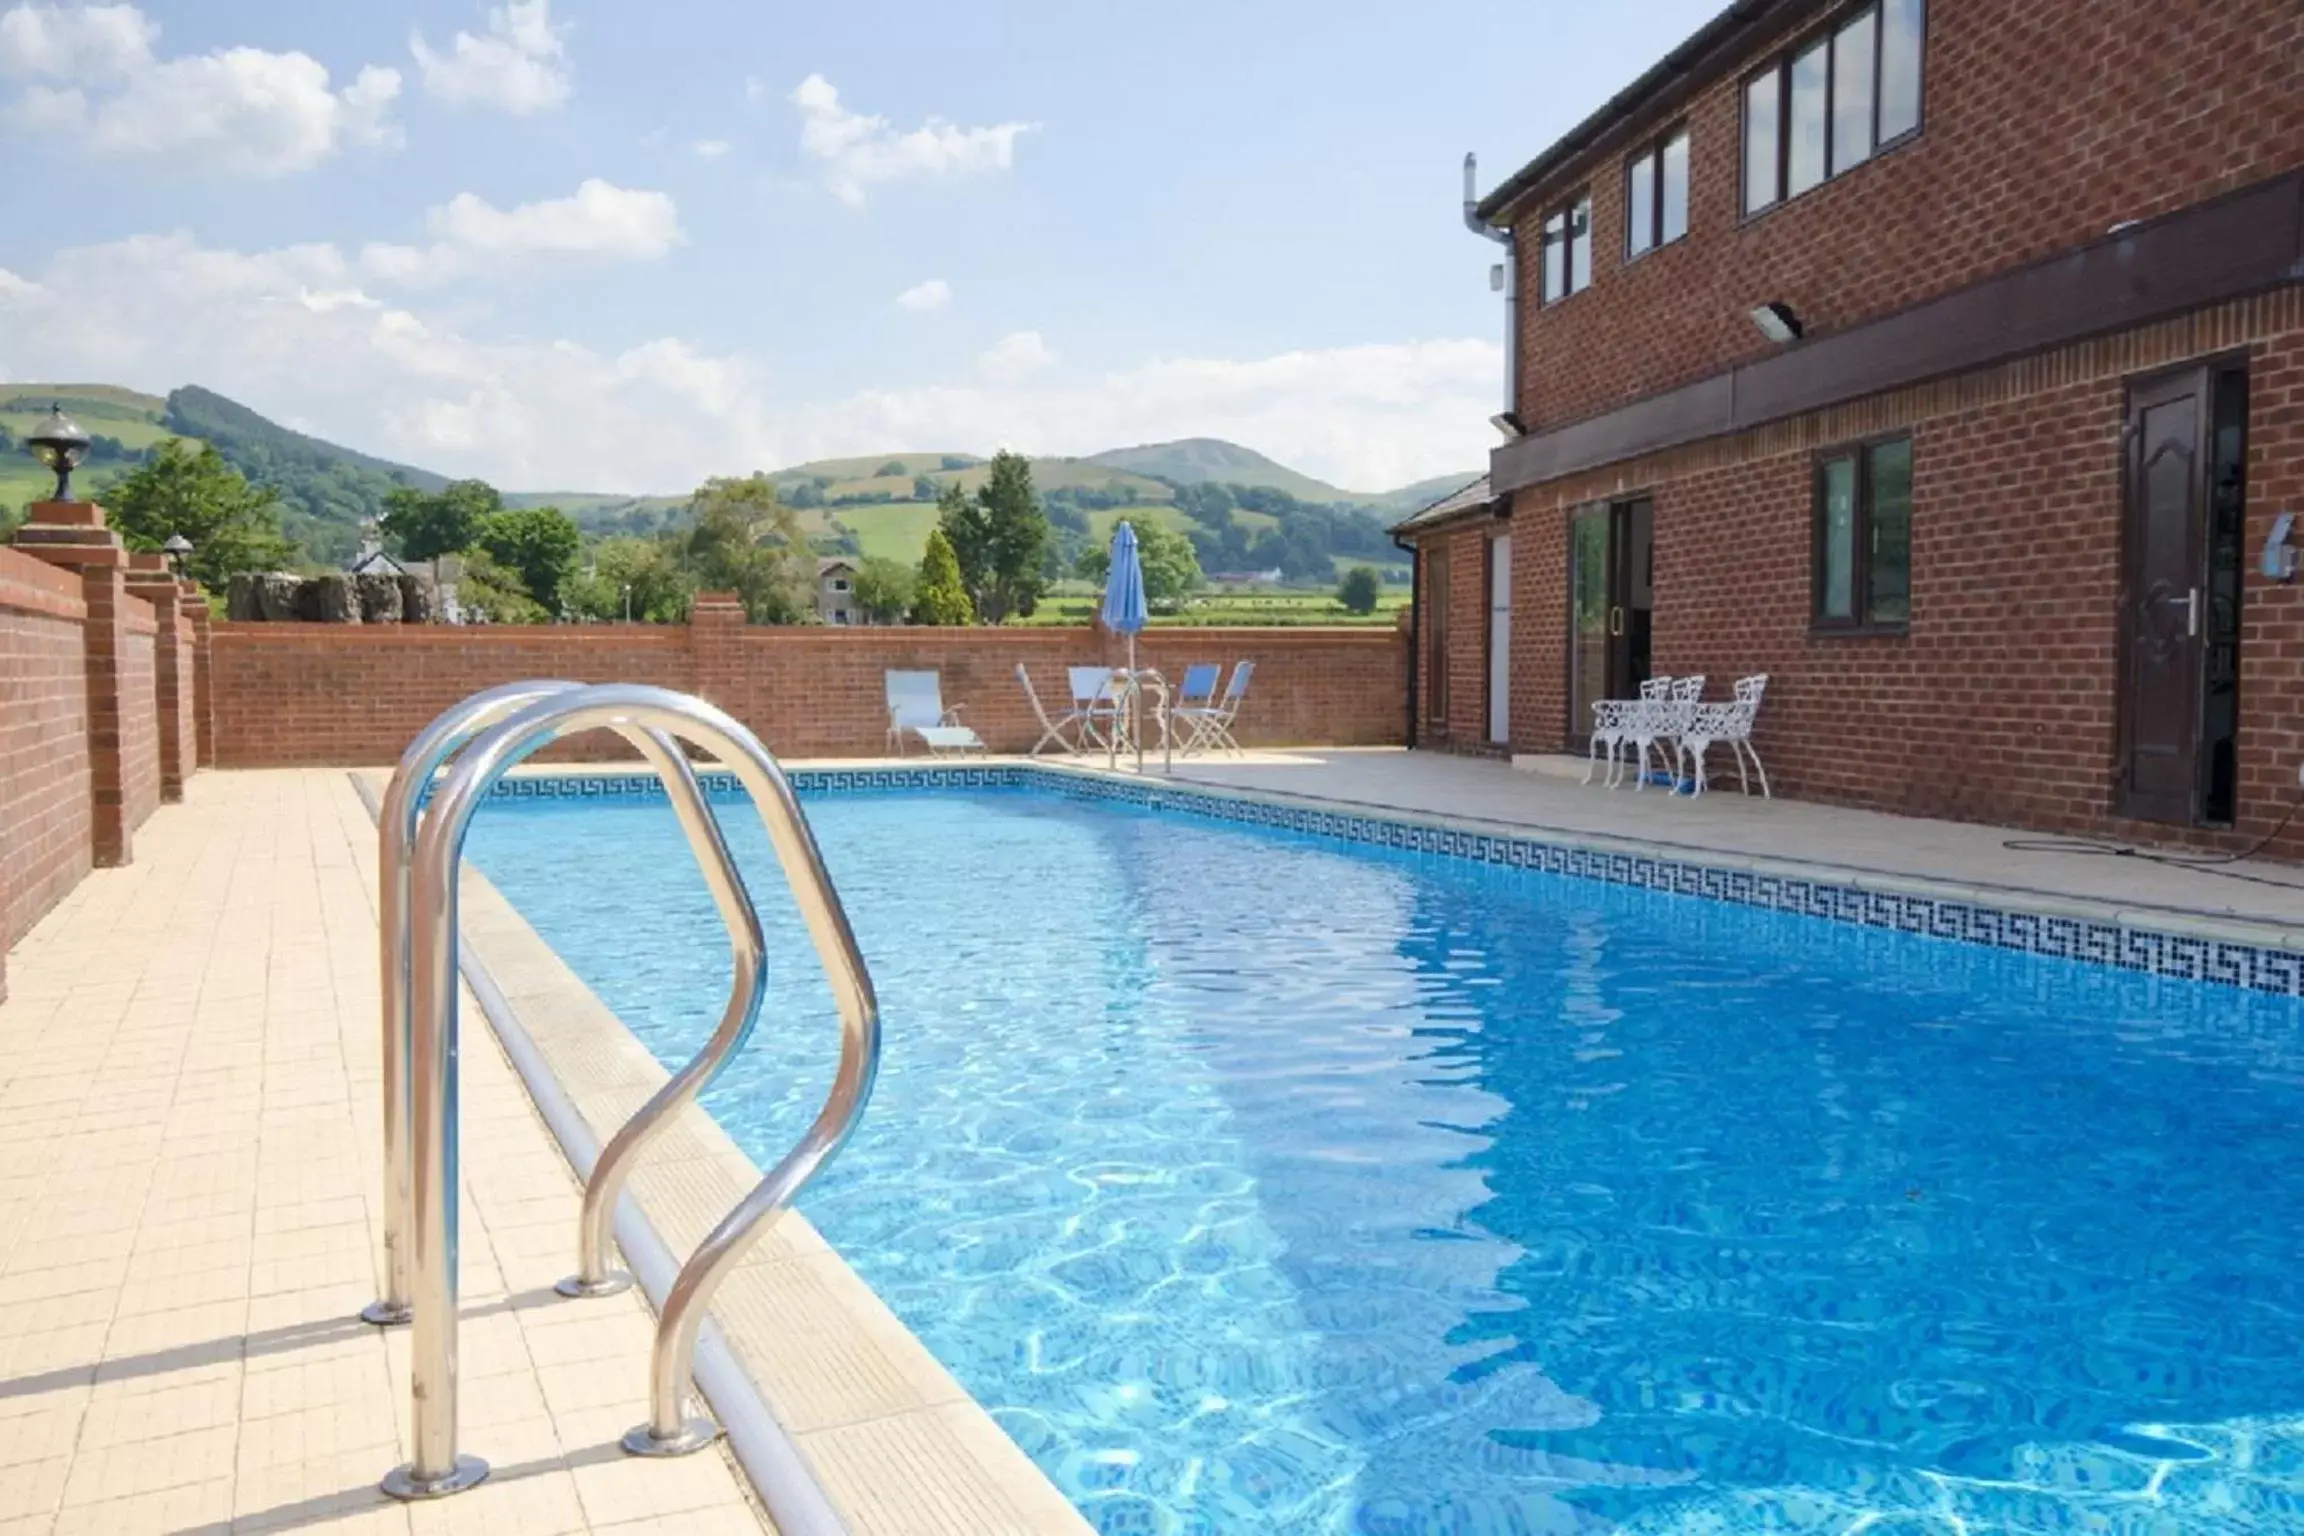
(421, 1025)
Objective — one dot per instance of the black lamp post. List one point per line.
(178, 549)
(60, 445)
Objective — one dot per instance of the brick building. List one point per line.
(1943, 359)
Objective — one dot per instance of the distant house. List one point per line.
(372, 560)
(836, 591)
(1270, 578)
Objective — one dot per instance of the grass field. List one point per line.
(1074, 603)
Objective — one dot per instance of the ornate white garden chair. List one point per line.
(1664, 721)
(1729, 722)
(1613, 720)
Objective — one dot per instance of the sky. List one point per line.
(600, 245)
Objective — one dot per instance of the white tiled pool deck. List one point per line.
(189, 1173)
(189, 1166)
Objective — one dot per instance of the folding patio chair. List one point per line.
(1098, 701)
(1051, 730)
(1210, 726)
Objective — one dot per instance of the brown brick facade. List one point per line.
(317, 693)
(2045, 123)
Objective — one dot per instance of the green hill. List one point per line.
(871, 502)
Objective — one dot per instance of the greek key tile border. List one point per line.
(2180, 956)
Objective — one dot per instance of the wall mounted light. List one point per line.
(1778, 323)
(1508, 423)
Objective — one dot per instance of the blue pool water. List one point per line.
(1263, 1184)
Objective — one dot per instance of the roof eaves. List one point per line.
(1717, 43)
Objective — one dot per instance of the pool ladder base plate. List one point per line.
(402, 1483)
(695, 1434)
(614, 1283)
(385, 1314)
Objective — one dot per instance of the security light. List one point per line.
(1777, 322)
(1508, 423)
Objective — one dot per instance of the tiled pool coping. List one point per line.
(2216, 949)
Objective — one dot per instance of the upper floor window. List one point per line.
(1656, 195)
(1863, 574)
(1828, 105)
(1568, 250)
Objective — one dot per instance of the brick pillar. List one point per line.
(73, 534)
(150, 579)
(715, 627)
(203, 697)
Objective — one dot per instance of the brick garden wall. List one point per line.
(317, 694)
(44, 794)
(2045, 122)
(140, 715)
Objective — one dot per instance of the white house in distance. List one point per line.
(836, 590)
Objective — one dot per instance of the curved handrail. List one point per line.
(396, 818)
(749, 948)
(435, 1468)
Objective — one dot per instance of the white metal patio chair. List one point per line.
(1209, 727)
(1098, 699)
(1729, 722)
(1613, 720)
(916, 707)
(1661, 721)
(1051, 730)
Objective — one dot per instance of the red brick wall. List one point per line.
(44, 798)
(2045, 122)
(139, 716)
(312, 693)
(2000, 702)
(184, 724)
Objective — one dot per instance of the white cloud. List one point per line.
(1014, 357)
(601, 221)
(292, 333)
(935, 293)
(233, 111)
(709, 149)
(519, 66)
(859, 150)
(89, 42)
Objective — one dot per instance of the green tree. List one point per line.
(744, 540)
(538, 543)
(1359, 589)
(883, 588)
(640, 577)
(942, 597)
(1012, 535)
(429, 524)
(1171, 566)
(893, 468)
(490, 592)
(923, 488)
(1094, 564)
(233, 526)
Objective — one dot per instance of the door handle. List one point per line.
(1615, 621)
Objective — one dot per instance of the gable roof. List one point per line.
(1464, 500)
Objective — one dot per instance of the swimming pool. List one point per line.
(1262, 1183)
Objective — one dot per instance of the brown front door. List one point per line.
(2163, 601)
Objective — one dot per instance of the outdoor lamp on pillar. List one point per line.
(178, 549)
(60, 445)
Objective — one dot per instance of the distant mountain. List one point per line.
(1210, 460)
(871, 502)
(326, 491)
